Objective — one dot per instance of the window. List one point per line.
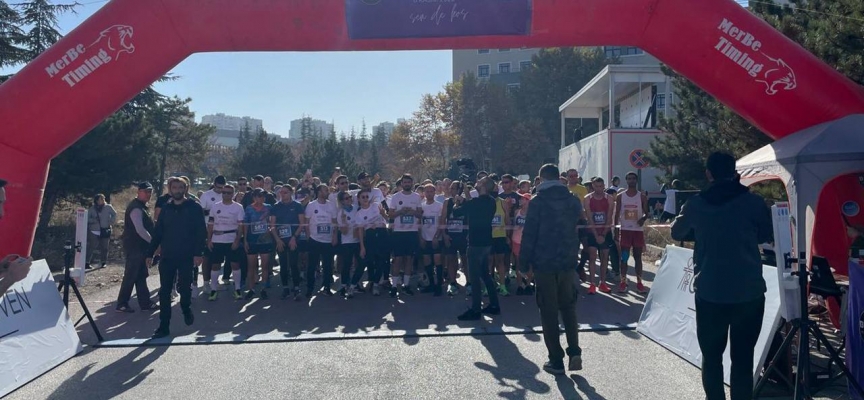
(504, 68)
(503, 50)
(512, 87)
(524, 65)
(618, 51)
(661, 101)
(483, 71)
(483, 51)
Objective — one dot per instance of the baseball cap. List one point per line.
(363, 175)
(145, 186)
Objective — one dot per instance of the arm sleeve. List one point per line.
(157, 237)
(682, 226)
(113, 214)
(530, 234)
(462, 210)
(139, 225)
(765, 223)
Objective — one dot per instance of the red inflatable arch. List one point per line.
(124, 47)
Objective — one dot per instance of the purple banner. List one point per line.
(397, 19)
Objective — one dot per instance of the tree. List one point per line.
(374, 164)
(700, 124)
(40, 17)
(182, 141)
(264, 154)
(11, 36)
(363, 141)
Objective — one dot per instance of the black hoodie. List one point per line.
(728, 224)
(550, 241)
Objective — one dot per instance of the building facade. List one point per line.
(295, 133)
(498, 65)
(232, 123)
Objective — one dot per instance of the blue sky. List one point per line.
(345, 87)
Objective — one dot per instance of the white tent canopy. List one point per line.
(804, 162)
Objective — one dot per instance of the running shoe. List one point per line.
(264, 295)
(641, 288)
(342, 292)
(592, 289)
(407, 290)
(327, 291)
(605, 288)
(394, 292)
(238, 294)
(453, 290)
(250, 294)
(213, 295)
(349, 294)
(622, 287)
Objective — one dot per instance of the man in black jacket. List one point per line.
(550, 245)
(181, 232)
(728, 224)
(479, 211)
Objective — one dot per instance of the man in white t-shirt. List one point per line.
(365, 182)
(669, 207)
(207, 200)
(405, 210)
(223, 240)
(431, 232)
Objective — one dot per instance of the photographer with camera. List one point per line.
(100, 218)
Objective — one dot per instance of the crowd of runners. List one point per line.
(376, 237)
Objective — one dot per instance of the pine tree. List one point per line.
(40, 16)
(306, 131)
(11, 36)
(265, 154)
(182, 142)
(352, 143)
(374, 165)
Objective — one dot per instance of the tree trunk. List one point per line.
(162, 165)
(48, 203)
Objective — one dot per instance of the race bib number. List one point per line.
(520, 221)
(496, 220)
(630, 215)
(406, 219)
(428, 221)
(285, 231)
(259, 228)
(454, 226)
(323, 229)
(599, 218)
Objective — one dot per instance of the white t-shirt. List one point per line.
(431, 215)
(320, 219)
(440, 198)
(371, 217)
(208, 199)
(351, 222)
(405, 223)
(226, 217)
(474, 194)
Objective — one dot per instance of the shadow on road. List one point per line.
(113, 379)
(511, 366)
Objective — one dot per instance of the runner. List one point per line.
(320, 221)
(430, 239)
(455, 239)
(501, 238)
(631, 211)
(405, 210)
(371, 218)
(349, 246)
(259, 242)
(285, 228)
(365, 182)
(223, 239)
(208, 200)
(598, 207)
(526, 286)
(574, 184)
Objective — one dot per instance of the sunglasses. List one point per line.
(364, 197)
(227, 193)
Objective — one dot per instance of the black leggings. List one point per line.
(289, 259)
(377, 254)
(348, 252)
(323, 253)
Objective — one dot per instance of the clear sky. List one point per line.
(344, 87)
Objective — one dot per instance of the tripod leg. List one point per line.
(86, 311)
(787, 341)
(835, 357)
(802, 375)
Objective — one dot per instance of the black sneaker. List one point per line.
(88, 266)
(556, 368)
(327, 291)
(470, 315)
(491, 310)
(285, 293)
(264, 295)
(124, 309)
(575, 363)
(520, 291)
(342, 291)
(308, 294)
(250, 294)
(393, 292)
(407, 290)
(188, 318)
(529, 291)
(161, 332)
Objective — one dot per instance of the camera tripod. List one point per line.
(67, 282)
(802, 387)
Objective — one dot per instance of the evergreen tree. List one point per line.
(11, 36)
(352, 143)
(379, 138)
(40, 16)
(374, 165)
(306, 131)
(264, 154)
(182, 142)
(363, 141)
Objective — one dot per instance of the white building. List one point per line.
(387, 126)
(498, 65)
(232, 123)
(317, 125)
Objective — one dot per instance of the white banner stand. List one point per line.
(669, 315)
(36, 333)
(790, 305)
